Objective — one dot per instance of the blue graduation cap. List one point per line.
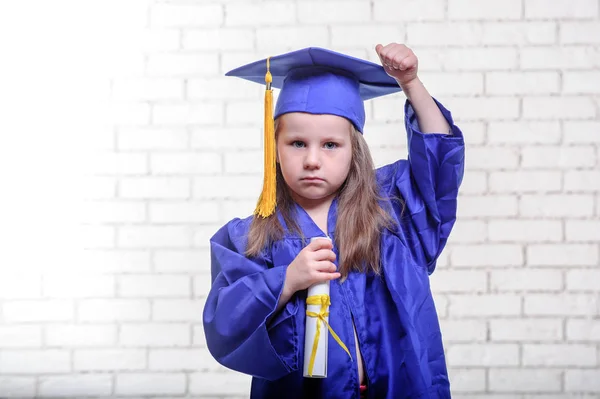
(316, 81)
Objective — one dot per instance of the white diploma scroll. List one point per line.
(316, 326)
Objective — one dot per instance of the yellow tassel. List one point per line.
(268, 201)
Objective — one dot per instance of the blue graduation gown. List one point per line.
(394, 313)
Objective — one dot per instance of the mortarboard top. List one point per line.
(321, 81)
(317, 81)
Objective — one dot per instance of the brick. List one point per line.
(319, 12)
(109, 359)
(144, 89)
(219, 383)
(582, 180)
(526, 330)
(441, 304)
(528, 83)
(551, 107)
(580, 32)
(20, 336)
(182, 64)
(127, 113)
(560, 305)
(485, 107)
(116, 164)
(231, 187)
(75, 385)
(385, 135)
(156, 40)
(586, 9)
(470, 281)
(182, 359)
(95, 187)
(199, 338)
(100, 310)
(205, 113)
(15, 285)
(556, 206)
(102, 261)
(525, 230)
(113, 212)
(562, 255)
(237, 208)
(558, 157)
(518, 33)
(562, 355)
(484, 305)
(180, 260)
(409, 10)
(177, 310)
(99, 138)
(185, 163)
(493, 158)
(155, 286)
(154, 237)
(34, 361)
(525, 181)
(577, 132)
(223, 88)
(219, 39)
(281, 39)
(469, 231)
(467, 380)
(443, 33)
(487, 206)
(389, 110)
(185, 212)
(583, 330)
(151, 384)
(561, 57)
(581, 82)
(247, 162)
(464, 9)
(524, 132)
(582, 381)
(202, 285)
(155, 335)
(583, 280)
(96, 236)
(483, 355)
(46, 310)
(154, 188)
(78, 286)
(526, 280)
(228, 137)
(244, 113)
(467, 331)
(583, 230)
(524, 380)
(202, 234)
(474, 183)
(176, 15)
(72, 335)
(353, 36)
(265, 13)
(486, 255)
(15, 386)
(152, 138)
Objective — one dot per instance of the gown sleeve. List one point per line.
(427, 185)
(242, 331)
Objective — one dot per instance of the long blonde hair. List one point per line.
(360, 218)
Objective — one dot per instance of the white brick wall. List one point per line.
(177, 152)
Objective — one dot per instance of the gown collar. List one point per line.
(308, 226)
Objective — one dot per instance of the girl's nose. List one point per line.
(312, 159)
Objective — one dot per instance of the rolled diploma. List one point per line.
(320, 366)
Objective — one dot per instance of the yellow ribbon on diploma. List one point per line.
(324, 301)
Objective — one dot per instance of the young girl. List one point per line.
(387, 226)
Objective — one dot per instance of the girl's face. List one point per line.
(314, 153)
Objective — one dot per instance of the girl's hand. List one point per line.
(399, 62)
(314, 264)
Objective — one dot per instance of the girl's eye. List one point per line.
(330, 145)
(298, 144)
